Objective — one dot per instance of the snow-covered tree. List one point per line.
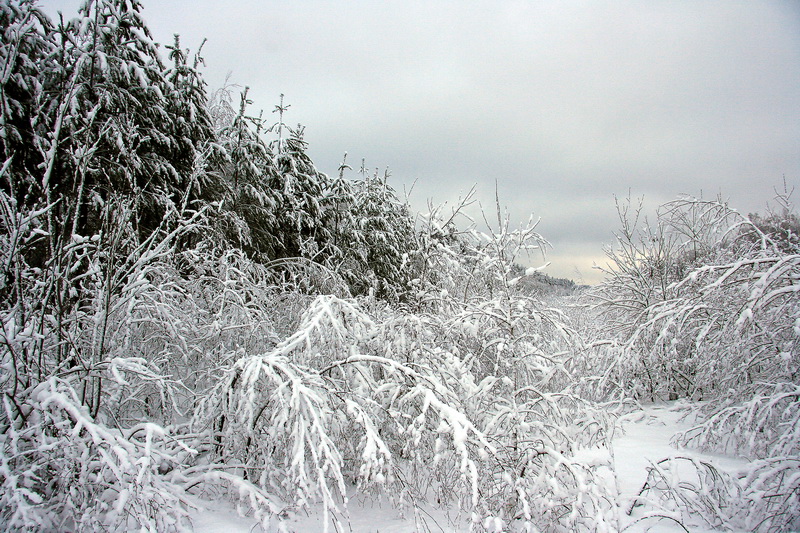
(724, 330)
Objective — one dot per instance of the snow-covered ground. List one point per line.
(642, 438)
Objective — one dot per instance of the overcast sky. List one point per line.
(562, 104)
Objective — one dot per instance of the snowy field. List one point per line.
(642, 438)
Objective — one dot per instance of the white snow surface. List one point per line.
(641, 439)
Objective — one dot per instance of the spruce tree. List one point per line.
(248, 207)
(386, 236)
(298, 186)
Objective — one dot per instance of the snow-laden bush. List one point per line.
(718, 323)
(772, 488)
(549, 441)
(61, 470)
(690, 491)
(103, 348)
(766, 429)
(551, 463)
(349, 399)
(322, 410)
(763, 497)
(767, 425)
(721, 315)
(470, 409)
(729, 327)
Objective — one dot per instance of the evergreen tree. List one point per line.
(298, 187)
(148, 123)
(386, 236)
(248, 207)
(29, 57)
(193, 125)
(90, 112)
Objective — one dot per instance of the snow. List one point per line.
(366, 515)
(220, 517)
(641, 438)
(644, 439)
